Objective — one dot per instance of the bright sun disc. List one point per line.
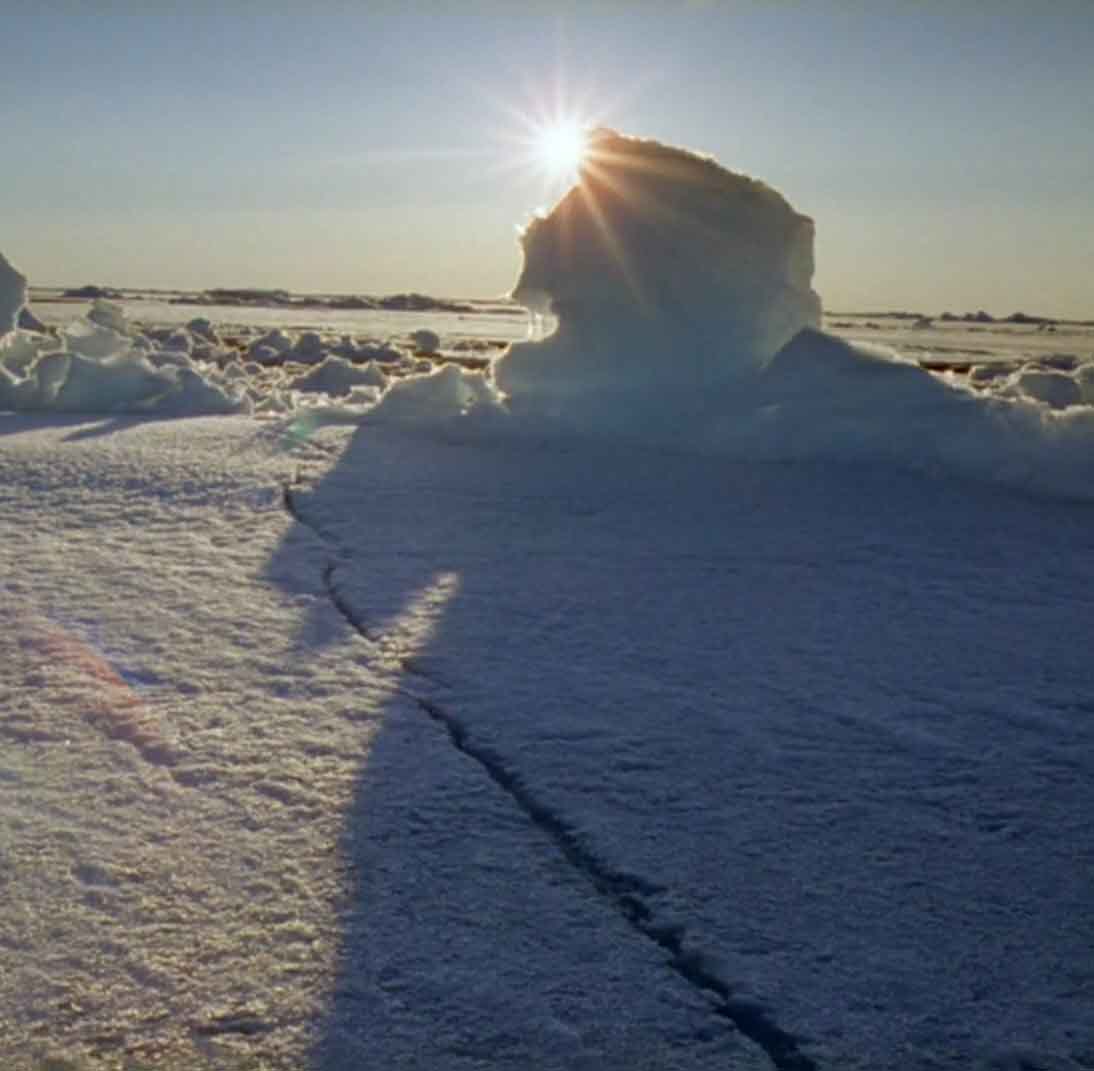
(561, 148)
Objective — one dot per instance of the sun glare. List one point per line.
(560, 149)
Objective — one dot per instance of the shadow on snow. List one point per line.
(678, 749)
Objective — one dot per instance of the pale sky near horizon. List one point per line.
(945, 151)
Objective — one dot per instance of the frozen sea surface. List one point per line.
(455, 743)
(822, 735)
(394, 747)
(228, 832)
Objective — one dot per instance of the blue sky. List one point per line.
(945, 150)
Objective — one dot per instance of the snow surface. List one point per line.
(691, 689)
(226, 827)
(828, 725)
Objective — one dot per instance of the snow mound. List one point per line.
(90, 338)
(99, 364)
(686, 318)
(110, 315)
(70, 382)
(337, 376)
(203, 328)
(270, 347)
(426, 341)
(449, 391)
(381, 352)
(308, 348)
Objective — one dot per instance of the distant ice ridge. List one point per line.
(686, 317)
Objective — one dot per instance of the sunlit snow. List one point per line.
(701, 685)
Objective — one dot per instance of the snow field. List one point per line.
(830, 722)
(230, 831)
(578, 711)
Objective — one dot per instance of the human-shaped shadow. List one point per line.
(685, 736)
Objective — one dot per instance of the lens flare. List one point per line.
(560, 148)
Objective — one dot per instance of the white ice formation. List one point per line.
(99, 364)
(686, 317)
(336, 376)
(438, 395)
(667, 273)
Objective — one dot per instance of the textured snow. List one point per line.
(230, 836)
(492, 732)
(833, 719)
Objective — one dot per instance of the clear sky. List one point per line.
(945, 150)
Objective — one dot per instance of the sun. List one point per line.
(559, 148)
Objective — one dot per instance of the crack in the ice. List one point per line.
(627, 893)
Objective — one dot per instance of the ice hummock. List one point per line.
(665, 271)
(686, 316)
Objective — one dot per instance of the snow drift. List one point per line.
(101, 363)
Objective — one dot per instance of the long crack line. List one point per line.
(627, 893)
